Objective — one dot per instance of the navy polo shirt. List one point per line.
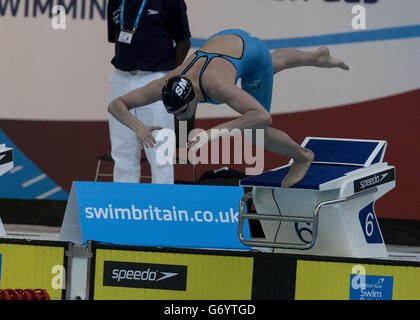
(151, 49)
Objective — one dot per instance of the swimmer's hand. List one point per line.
(144, 135)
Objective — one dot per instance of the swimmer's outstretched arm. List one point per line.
(119, 108)
(252, 114)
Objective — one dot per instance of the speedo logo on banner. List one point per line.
(145, 275)
(374, 180)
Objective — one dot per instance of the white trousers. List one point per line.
(125, 149)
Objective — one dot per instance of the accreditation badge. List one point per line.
(125, 36)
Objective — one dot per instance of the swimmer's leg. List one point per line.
(279, 142)
(286, 58)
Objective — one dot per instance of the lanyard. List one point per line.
(143, 4)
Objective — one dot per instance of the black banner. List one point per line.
(145, 275)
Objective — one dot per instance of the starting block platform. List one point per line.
(6, 159)
(331, 211)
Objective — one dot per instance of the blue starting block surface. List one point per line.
(353, 152)
(316, 175)
(334, 158)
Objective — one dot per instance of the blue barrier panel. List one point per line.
(188, 216)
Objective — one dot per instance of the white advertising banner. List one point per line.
(55, 59)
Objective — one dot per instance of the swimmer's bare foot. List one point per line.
(325, 60)
(298, 169)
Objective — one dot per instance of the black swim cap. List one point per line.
(177, 92)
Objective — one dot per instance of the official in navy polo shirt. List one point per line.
(151, 38)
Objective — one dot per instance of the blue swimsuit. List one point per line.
(254, 67)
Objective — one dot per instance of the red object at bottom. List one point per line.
(24, 294)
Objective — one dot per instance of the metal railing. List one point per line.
(297, 219)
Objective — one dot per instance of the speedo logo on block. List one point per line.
(6, 157)
(145, 275)
(374, 180)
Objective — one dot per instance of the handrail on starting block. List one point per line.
(298, 219)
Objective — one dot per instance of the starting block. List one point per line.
(331, 211)
(6, 159)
